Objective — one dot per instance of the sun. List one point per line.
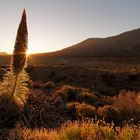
(30, 51)
(27, 53)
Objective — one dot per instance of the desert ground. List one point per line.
(65, 92)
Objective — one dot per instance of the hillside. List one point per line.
(123, 45)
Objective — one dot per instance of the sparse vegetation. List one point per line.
(86, 97)
(78, 130)
(128, 104)
(86, 111)
(68, 93)
(109, 114)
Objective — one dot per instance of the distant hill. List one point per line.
(123, 45)
(4, 58)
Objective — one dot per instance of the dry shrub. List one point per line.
(43, 111)
(76, 110)
(128, 103)
(86, 111)
(109, 114)
(68, 93)
(50, 85)
(2, 72)
(71, 110)
(86, 97)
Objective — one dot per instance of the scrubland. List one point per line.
(77, 101)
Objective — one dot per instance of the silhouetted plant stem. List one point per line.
(15, 84)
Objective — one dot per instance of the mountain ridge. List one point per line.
(126, 44)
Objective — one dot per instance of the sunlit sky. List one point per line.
(56, 24)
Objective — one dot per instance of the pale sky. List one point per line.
(56, 24)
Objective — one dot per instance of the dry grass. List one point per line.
(128, 101)
(86, 130)
(128, 104)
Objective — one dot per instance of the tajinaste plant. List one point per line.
(14, 90)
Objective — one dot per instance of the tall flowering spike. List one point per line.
(20, 48)
(14, 91)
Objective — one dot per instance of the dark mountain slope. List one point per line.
(124, 45)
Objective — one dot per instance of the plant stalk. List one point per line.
(14, 87)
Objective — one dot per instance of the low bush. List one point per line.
(86, 97)
(86, 111)
(68, 93)
(128, 103)
(50, 86)
(109, 114)
(71, 110)
(76, 110)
